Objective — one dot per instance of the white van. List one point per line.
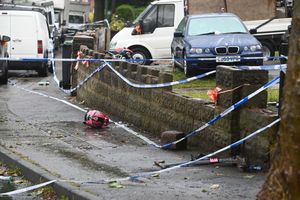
(29, 33)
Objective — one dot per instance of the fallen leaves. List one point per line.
(116, 184)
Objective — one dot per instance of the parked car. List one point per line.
(30, 36)
(201, 42)
(3, 54)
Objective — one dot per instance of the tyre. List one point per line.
(174, 63)
(43, 72)
(4, 77)
(141, 56)
(268, 49)
(188, 70)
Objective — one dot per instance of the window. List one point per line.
(158, 16)
(217, 25)
(165, 15)
(181, 26)
(75, 19)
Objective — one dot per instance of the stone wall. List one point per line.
(158, 110)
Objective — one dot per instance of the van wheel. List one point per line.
(4, 77)
(43, 72)
(141, 56)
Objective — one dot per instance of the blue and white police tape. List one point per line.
(145, 139)
(98, 69)
(27, 189)
(150, 174)
(160, 85)
(264, 67)
(224, 113)
(130, 60)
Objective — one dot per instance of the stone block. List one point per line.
(171, 136)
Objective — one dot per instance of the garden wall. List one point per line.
(159, 110)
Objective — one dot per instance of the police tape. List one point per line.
(223, 114)
(148, 174)
(226, 59)
(264, 67)
(27, 189)
(98, 69)
(160, 85)
(169, 145)
(145, 139)
(135, 85)
(153, 173)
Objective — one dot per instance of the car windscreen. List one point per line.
(215, 25)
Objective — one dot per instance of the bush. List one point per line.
(138, 10)
(125, 12)
(116, 23)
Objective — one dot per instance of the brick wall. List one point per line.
(158, 110)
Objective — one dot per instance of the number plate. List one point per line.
(225, 59)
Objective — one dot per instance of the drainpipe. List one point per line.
(225, 6)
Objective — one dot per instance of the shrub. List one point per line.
(125, 12)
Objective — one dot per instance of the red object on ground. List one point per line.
(96, 119)
(214, 94)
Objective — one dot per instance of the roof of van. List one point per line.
(21, 8)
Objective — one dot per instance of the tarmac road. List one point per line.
(50, 137)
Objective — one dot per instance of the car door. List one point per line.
(23, 35)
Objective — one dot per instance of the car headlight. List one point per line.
(196, 51)
(258, 47)
(113, 45)
(246, 48)
(253, 48)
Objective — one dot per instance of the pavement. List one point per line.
(48, 141)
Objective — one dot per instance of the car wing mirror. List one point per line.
(5, 38)
(178, 34)
(253, 31)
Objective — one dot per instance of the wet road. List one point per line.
(51, 136)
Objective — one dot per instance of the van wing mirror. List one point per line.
(178, 34)
(253, 31)
(5, 38)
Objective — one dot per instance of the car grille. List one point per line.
(233, 49)
(225, 50)
(221, 50)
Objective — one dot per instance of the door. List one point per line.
(23, 36)
(159, 28)
(5, 26)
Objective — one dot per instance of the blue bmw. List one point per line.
(201, 42)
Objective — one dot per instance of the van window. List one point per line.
(159, 16)
(49, 17)
(166, 15)
(75, 19)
